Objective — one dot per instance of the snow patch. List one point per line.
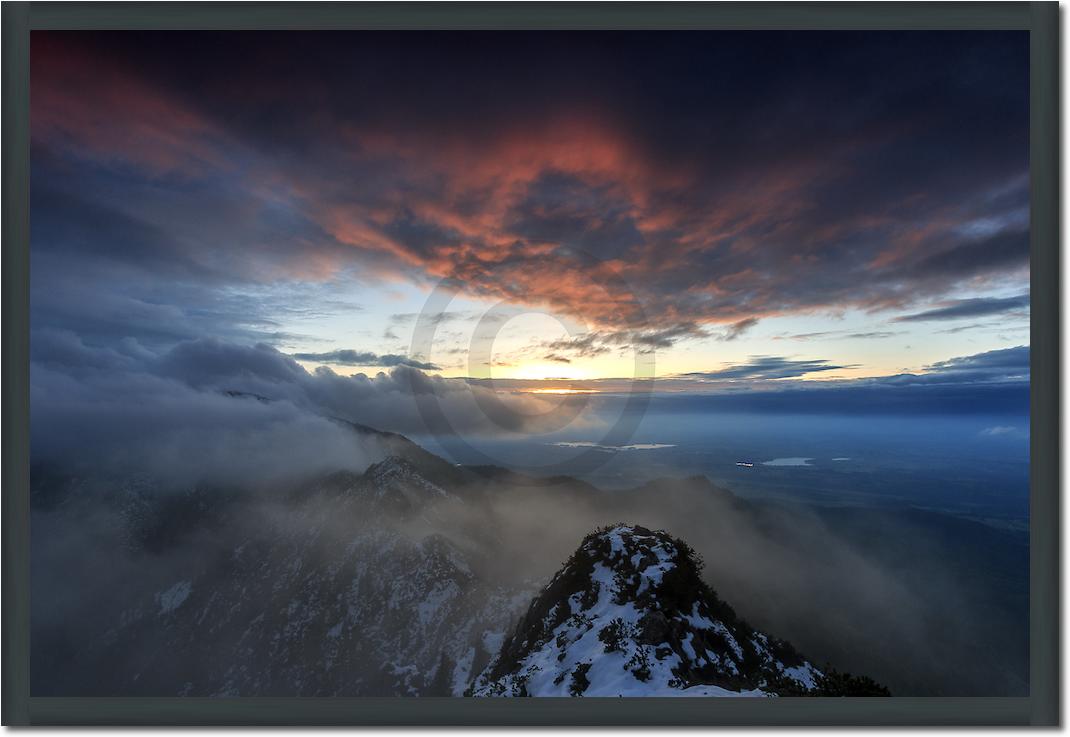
(174, 597)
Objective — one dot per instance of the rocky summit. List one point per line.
(629, 615)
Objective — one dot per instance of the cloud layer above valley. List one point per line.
(211, 411)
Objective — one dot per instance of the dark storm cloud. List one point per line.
(978, 307)
(708, 179)
(350, 357)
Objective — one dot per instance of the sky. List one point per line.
(708, 209)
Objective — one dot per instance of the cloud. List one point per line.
(113, 422)
(990, 383)
(737, 329)
(995, 382)
(598, 342)
(606, 190)
(668, 337)
(1006, 365)
(997, 430)
(350, 357)
(766, 367)
(125, 117)
(585, 346)
(874, 335)
(977, 307)
(187, 413)
(840, 335)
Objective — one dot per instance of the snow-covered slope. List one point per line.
(629, 615)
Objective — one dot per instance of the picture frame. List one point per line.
(1040, 708)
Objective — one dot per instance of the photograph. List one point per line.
(530, 363)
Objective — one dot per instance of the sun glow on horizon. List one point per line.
(540, 371)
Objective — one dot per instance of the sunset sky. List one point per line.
(756, 205)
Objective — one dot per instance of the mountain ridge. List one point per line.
(344, 584)
(629, 615)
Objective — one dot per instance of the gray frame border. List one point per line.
(1041, 708)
